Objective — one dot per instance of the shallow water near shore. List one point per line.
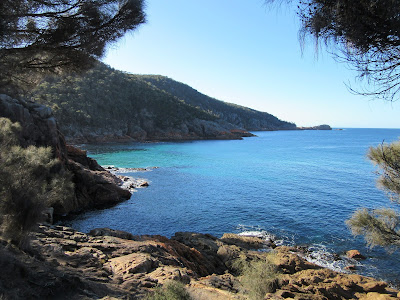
(299, 186)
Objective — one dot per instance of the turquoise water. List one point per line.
(300, 186)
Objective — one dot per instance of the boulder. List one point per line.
(131, 264)
(289, 262)
(355, 254)
(351, 268)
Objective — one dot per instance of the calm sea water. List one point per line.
(300, 186)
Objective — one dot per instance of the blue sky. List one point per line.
(248, 53)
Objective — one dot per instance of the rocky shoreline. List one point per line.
(128, 182)
(92, 138)
(233, 134)
(62, 263)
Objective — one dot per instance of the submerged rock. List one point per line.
(355, 254)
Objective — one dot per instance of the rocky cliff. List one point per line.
(94, 186)
(63, 263)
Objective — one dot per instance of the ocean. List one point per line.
(297, 186)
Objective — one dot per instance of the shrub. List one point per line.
(172, 290)
(258, 276)
(30, 180)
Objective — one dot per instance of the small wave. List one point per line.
(321, 255)
(116, 170)
(248, 230)
(318, 254)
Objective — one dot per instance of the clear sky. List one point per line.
(247, 53)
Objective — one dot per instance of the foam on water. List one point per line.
(257, 231)
(318, 254)
(321, 255)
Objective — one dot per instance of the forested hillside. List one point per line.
(241, 116)
(106, 104)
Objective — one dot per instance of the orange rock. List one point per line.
(377, 296)
(351, 267)
(374, 286)
(355, 254)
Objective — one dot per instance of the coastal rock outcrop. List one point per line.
(355, 254)
(319, 127)
(94, 186)
(63, 263)
(39, 127)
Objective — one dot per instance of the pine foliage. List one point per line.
(381, 227)
(40, 36)
(364, 33)
(387, 158)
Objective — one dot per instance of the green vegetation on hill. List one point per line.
(237, 115)
(107, 102)
(111, 101)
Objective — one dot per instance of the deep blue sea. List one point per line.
(299, 186)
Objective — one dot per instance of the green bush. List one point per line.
(172, 290)
(30, 181)
(258, 276)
